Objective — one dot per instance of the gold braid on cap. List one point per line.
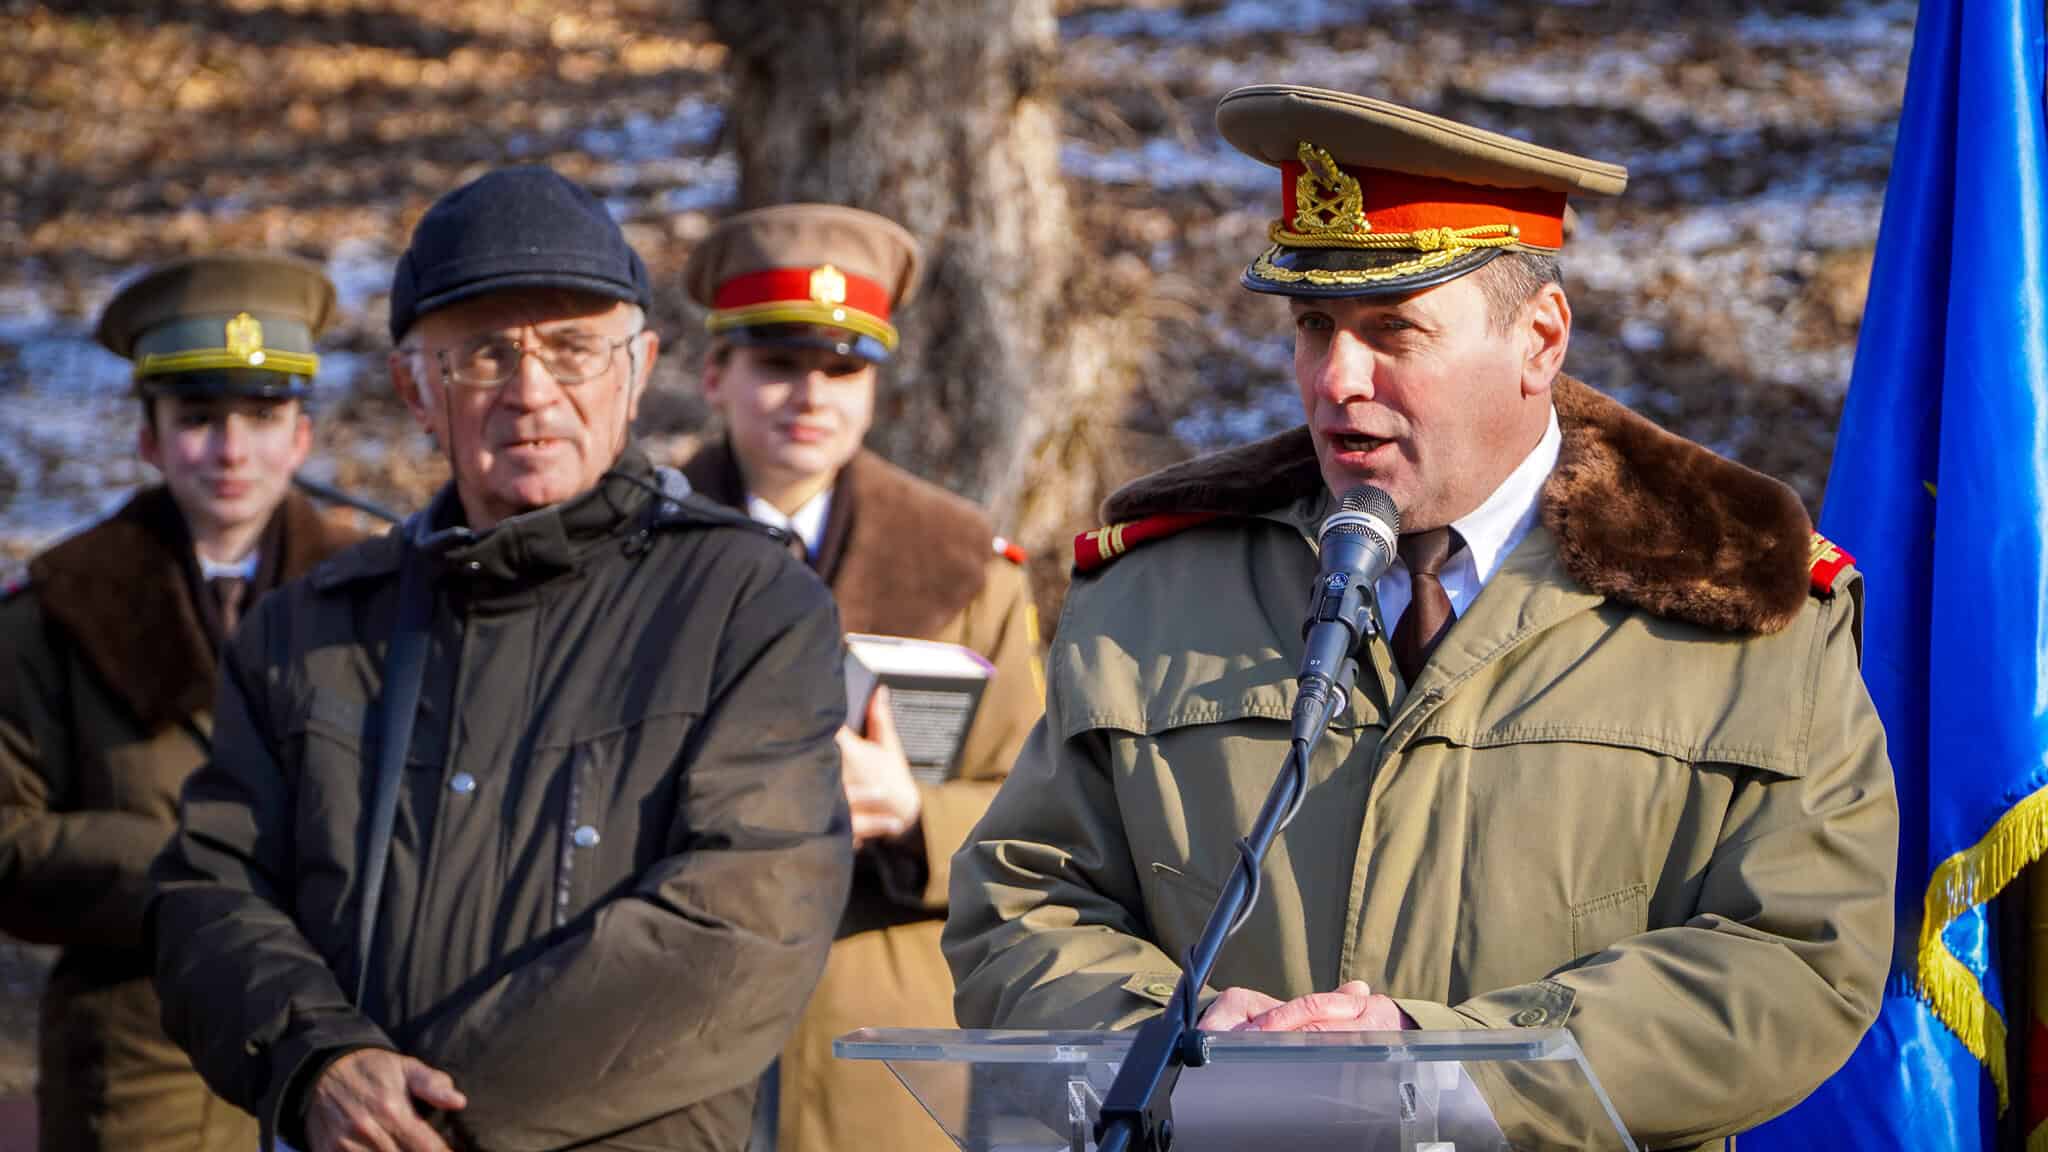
(1329, 212)
(242, 347)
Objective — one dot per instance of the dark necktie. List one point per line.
(227, 596)
(1429, 614)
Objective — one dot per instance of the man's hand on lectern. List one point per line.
(1351, 1008)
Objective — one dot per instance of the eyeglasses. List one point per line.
(571, 357)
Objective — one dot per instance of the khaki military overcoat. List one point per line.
(903, 558)
(1639, 790)
(106, 700)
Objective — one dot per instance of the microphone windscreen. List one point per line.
(1373, 502)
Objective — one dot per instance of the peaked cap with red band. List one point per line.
(806, 276)
(1381, 200)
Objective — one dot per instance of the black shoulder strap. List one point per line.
(405, 664)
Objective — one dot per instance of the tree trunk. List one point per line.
(941, 115)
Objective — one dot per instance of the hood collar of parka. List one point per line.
(1640, 516)
(517, 552)
(678, 508)
(533, 547)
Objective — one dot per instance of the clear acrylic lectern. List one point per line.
(1476, 1091)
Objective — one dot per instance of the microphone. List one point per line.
(1357, 545)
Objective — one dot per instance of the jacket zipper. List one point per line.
(565, 865)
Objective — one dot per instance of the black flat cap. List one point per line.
(524, 227)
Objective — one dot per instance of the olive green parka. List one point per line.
(1638, 791)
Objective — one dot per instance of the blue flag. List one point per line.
(1940, 490)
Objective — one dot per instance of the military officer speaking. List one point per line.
(107, 660)
(800, 300)
(1611, 767)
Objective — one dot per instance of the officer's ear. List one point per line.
(302, 436)
(1546, 331)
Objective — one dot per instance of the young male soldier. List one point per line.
(618, 847)
(107, 659)
(1612, 767)
(800, 299)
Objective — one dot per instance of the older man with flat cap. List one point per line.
(107, 671)
(1610, 767)
(524, 828)
(800, 300)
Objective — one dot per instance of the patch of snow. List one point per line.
(1167, 164)
(711, 185)
(1638, 335)
(361, 269)
(1223, 22)
(24, 312)
(1888, 26)
(640, 138)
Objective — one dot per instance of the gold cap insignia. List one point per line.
(828, 285)
(1326, 198)
(245, 338)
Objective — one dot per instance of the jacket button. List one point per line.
(1529, 1018)
(475, 566)
(584, 836)
(1159, 988)
(462, 784)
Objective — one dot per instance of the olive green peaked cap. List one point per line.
(222, 324)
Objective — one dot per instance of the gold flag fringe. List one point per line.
(1962, 882)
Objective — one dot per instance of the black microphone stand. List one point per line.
(1137, 1115)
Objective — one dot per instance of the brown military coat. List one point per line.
(903, 558)
(1639, 790)
(106, 699)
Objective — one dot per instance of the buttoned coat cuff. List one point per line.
(1534, 1106)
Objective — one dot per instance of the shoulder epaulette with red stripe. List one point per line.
(1827, 560)
(1010, 550)
(1093, 550)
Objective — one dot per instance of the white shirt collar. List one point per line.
(808, 522)
(1490, 532)
(245, 568)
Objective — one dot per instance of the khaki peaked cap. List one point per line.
(814, 275)
(1378, 199)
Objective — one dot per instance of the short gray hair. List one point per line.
(1511, 278)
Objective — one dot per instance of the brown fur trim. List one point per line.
(310, 536)
(1650, 519)
(1250, 478)
(714, 474)
(121, 591)
(916, 555)
(1640, 515)
(903, 556)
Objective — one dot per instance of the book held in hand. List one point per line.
(934, 691)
